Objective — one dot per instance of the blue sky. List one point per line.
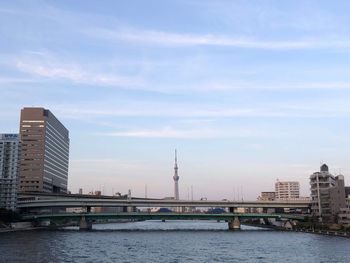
(247, 91)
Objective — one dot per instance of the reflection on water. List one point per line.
(170, 241)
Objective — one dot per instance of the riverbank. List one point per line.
(323, 232)
(310, 231)
(7, 230)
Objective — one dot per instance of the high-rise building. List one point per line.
(176, 179)
(9, 170)
(320, 183)
(45, 152)
(328, 194)
(287, 190)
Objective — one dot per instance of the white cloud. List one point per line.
(75, 73)
(197, 132)
(42, 65)
(170, 111)
(226, 86)
(169, 132)
(9, 80)
(177, 39)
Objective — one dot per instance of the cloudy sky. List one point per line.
(247, 91)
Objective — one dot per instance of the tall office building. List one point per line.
(45, 152)
(9, 170)
(287, 190)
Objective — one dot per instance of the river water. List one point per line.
(171, 241)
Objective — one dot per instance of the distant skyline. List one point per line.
(247, 91)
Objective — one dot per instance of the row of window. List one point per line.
(28, 182)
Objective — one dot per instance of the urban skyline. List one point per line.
(174, 131)
(44, 143)
(254, 97)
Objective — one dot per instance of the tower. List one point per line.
(45, 152)
(176, 179)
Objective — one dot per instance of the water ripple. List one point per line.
(173, 242)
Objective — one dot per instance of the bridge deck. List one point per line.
(93, 202)
(160, 216)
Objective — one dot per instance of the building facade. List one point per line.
(9, 170)
(287, 190)
(320, 183)
(337, 197)
(267, 196)
(344, 214)
(328, 195)
(45, 152)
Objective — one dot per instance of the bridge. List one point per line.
(85, 219)
(162, 216)
(44, 202)
(36, 200)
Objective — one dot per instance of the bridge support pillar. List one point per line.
(84, 224)
(234, 224)
(131, 209)
(288, 225)
(266, 221)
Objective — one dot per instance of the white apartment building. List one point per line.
(9, 170)
(286, 190)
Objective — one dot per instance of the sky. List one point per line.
(248, 92)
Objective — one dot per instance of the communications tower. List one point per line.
(176, 179)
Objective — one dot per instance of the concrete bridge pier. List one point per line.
(131, 209)
(234, 224)
(288, 225)
(84, 224)
(266, 221)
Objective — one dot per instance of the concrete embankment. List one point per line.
(20, 226)
(310, 231)
(324, 232)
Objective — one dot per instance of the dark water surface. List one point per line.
(171, 241)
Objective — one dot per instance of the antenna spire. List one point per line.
(175, 158)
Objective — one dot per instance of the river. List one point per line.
(170, 241)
